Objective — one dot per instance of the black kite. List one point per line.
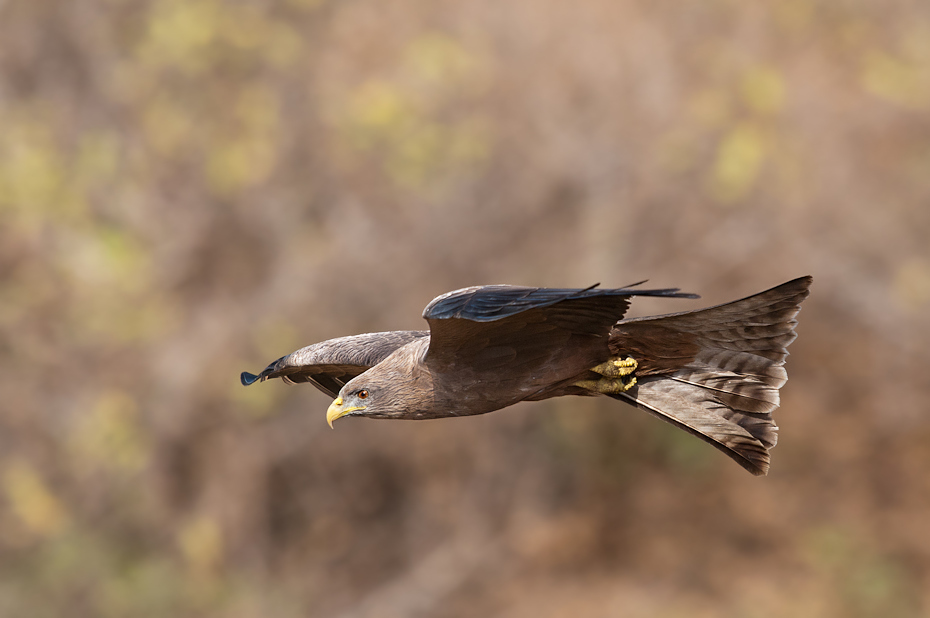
(713, 372)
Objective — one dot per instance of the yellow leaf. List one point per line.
(201, 543)
(109, 436)
(739, 159)
(763, 90)
(32, 501)
(896, 80)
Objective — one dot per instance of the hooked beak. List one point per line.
(337, 411)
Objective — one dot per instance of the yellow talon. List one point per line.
(626, 366)
(617, 367)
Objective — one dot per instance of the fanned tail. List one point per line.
(716, 372)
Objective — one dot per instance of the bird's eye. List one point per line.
(362, 394)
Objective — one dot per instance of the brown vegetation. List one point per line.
(191, 188)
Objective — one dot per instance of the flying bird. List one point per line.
(713, 372)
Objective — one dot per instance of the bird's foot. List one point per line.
(608, 386)
(617, 377)
(617, 367)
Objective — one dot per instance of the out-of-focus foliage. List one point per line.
(190, 188)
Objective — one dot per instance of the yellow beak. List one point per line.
(337, 411)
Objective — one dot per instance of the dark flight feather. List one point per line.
(494, 302)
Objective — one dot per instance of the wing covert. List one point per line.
(487, 328)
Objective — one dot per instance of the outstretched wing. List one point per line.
(516, 339)
(330, 364)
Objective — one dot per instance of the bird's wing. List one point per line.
(330, 364)
(503, 333)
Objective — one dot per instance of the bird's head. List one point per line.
(380, 394)
(352, 400)
(394, 388)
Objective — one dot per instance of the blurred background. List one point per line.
(192, 188)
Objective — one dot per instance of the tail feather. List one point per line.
(716, 372)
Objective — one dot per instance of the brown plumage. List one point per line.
(714, 372)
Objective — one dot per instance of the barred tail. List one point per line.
(716, 372)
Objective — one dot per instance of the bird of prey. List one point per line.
(713, 372)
